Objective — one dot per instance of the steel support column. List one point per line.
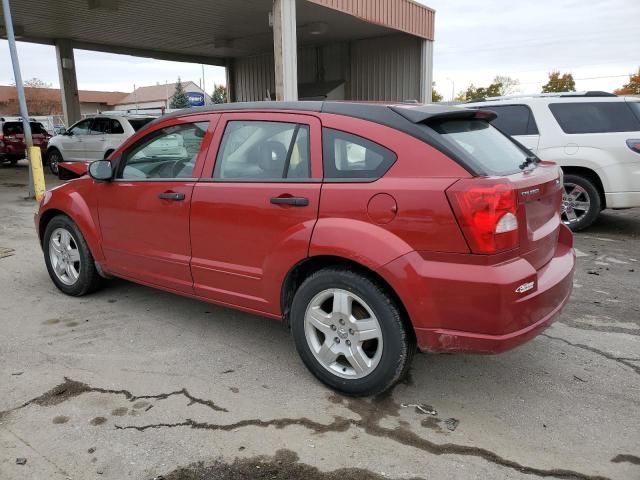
(68, 82)
(426, 71)
(285, 49)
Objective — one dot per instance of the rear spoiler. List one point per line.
(71, 170)
(422, 114)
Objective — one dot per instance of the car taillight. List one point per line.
(487, 214)
(634, 145)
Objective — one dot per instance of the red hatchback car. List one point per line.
(368, 229)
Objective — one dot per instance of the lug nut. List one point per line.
(348, 342)
(337, 340)
(333, 327)
(351, 331)
(341, 321)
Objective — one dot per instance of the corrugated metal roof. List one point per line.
(404, 15)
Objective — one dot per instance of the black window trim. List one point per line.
(326, 179)
(212, 179)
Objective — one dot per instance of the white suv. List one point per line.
(593, 136)
(93, 138)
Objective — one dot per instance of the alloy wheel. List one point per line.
(575, 203)
(65, 256)
(343, 333)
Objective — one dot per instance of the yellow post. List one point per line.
(35, 158)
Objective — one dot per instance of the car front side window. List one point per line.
(167, 153)
(81, 128)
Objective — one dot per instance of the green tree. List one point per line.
(435, 95)
(559, 83)
(179, 99)
(219, 94)
(631, 88)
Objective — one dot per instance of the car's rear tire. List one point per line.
(581, 202)
(68, 258)
(54, 157)
(350, 332)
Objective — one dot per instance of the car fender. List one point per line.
(71, 200)
(365, 243)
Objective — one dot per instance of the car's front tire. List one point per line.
(350, 332)
(581, 202)
(68, 258)
(54, 157)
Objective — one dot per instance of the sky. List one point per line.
(597, 41)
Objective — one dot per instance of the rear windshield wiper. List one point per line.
(529, 160)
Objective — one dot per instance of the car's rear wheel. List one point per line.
(350, 332)
(68, 258)
(54, 157)
(581, 203)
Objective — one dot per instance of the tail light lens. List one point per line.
(487, 214)
(634, 145)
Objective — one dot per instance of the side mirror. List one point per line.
(62, 131)
(101, 170)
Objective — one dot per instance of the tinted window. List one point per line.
(514, 119)
(493, 150)
(115, 127)
(81, 128)
(99, 126)
(263, 151)
(16, 128)
(349, 156)
(138, 123)
(595, 117)
(167, 153)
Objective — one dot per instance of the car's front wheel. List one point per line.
(54, 157)
(350, 332)
(68, 258)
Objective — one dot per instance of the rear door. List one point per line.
(255, 207)
(94, 143)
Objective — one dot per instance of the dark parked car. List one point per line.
(368, 229)
(12, 146)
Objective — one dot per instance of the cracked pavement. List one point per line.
(135, 383)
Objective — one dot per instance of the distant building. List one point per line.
(159, 96)
(48, 101)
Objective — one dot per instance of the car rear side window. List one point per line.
(514, 119)
(259, 150)
(348, 156)
(493, 150)
(595, 117)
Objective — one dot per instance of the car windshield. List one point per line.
(15, 128)
(138, 123)
(494, 151)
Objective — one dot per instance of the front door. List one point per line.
(72, 142)
(144, 211)
(252, 219)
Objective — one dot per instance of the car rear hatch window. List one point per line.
(138, 123)
(16, 128)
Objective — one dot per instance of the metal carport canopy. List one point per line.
(208, 32)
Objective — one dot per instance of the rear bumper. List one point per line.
(461, 307)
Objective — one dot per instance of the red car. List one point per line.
(12, 146)
(368, 229)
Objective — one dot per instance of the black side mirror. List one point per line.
(101, 170)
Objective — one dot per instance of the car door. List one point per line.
(72, 142)
(518, 122)
(144, 211)
(94, 142)
(255, 207)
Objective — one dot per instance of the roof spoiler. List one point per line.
(437, 113)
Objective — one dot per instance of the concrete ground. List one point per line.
(135, 383)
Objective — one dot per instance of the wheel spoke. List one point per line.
(56, 246)
(357, 359)
(366, 329)
(60, 270)
(342, 303)
(571, 215)
(320, 320)
(575, 191)
(65, 239)
(74, 255)
(583, 206)
(326, 353)
(71, 272)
